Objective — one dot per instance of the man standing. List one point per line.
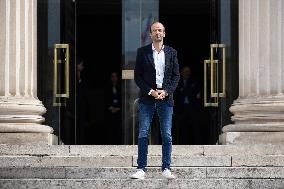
(157, 75)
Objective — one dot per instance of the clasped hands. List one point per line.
(159, 94)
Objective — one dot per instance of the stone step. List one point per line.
(142, 184)
(130, 150)
(214, 161)
(130, 161)
(152, 173)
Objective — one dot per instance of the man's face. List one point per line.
(157, 32)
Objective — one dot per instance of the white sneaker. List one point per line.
(140, 174)
(167, 174)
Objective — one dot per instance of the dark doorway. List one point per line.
(188, 31)
(99, 41)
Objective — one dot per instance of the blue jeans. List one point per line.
(146, 112)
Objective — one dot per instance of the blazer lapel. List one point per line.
(150, 55)
(167, 58)
(167, 63)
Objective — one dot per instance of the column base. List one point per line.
(28, 139)
(257, 120)
(240, 138)
(21, 122)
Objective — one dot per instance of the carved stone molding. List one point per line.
(258, 110)
(22, 115)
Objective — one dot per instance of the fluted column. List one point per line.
(259, 110)
(20, 110)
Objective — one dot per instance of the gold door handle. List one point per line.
(64, 59)
(211, 67)
(207, 65)
(215, 69)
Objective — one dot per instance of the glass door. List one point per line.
(137, 17)
(221, 66)
(57, 66)
(207, 54)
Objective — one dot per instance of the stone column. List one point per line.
(20, 109)
(259, 110)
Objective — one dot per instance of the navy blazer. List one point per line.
(145, 73)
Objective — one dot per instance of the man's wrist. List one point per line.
(150, 92)
(166, 93)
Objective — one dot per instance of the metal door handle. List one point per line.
(214, 82)
(214, 64)
(207, 63)
(65, 60)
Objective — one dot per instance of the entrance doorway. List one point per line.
(79, 47)
(188, 31)
(99, 42)
(104, 35)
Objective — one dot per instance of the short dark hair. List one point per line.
(155, 22)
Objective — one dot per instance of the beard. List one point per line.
(158, 39)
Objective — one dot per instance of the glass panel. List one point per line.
(191, 123)
(219, 25)
(99, 43)
(136, 19)
(224, 32)
(229, 36)
(56, 84)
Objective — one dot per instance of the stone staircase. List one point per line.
(216, 167)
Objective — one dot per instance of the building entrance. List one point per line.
(84, 45)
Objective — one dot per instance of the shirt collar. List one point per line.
(153, 48)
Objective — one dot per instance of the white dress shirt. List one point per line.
(159, 60)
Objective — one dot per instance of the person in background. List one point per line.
(187, 108)
(83, 104)
(156, 74)
(113, 119)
